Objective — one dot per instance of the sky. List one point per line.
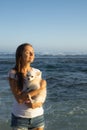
(51, 26)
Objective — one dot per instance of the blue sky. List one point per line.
(49, 25)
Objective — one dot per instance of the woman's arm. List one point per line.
(19, 95)
(43, 84)
(40, 99)
(41, 95)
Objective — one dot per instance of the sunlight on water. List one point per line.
(66, 103)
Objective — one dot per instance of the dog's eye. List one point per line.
(32, 76)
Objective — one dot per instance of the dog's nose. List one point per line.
(28, 78)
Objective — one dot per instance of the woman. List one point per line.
(26, 115)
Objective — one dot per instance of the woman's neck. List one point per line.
(26, 68)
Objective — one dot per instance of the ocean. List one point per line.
(66, 103)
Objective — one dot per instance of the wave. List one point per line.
(47, 54)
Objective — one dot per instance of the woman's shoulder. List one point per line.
(12, 71)
(12, 74)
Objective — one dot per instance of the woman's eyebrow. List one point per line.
(29, 51)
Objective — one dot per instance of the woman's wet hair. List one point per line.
(18, 65)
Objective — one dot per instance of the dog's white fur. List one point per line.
(32, 82)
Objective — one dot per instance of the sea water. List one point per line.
(66, 103)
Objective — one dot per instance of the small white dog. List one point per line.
(32, 82)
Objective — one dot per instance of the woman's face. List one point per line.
(28, 54)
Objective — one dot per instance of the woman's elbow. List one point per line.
(43, 83)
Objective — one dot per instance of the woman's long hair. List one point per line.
(18, 64)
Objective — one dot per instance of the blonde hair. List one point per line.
(18, 64)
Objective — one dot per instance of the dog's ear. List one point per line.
(38, 73)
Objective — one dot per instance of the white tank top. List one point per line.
(21, 110)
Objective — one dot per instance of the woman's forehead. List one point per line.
(28, 48)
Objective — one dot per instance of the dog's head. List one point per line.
(31, 75)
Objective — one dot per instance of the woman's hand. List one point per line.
(33, 105)
(28, 104)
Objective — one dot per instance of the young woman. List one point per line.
(25, 114)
